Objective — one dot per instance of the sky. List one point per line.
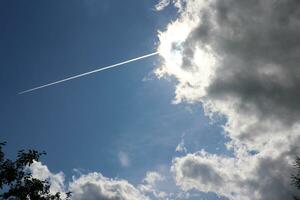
(122, 122)
(215, 115)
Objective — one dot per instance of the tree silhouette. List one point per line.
(296, 177)
(16, 181)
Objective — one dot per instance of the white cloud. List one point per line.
(240, 59)
(91, 186)
(124, 159)
(95, 186)
(153, 177)
(162, 4)
(181, 147)
(151, 185)
(41, 172)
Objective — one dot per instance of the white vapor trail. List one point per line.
(88, 73)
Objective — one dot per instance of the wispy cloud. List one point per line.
(162, 4)
(181, 147)
(124, 159)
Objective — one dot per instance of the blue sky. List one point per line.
(86, 123)
(114, 134)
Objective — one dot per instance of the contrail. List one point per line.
(88, 73)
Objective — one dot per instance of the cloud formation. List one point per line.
(162, 4)
(151, 185)
(91, 186)
(42, 172)
(94, 186)
(239, 59)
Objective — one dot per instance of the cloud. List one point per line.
(42, 172)
(94, 186)
(91, 186)
(162, 4)
(124, 159)
(203, 169)
(181, 147)
(153, 177)
(151, 185)
(257, 177)
(239, 59)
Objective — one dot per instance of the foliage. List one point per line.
(296, 177)
(16, 181)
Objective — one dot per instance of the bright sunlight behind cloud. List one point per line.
(239, 59)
